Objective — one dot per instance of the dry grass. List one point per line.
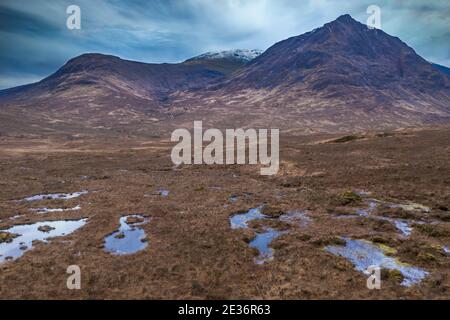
(192, 251)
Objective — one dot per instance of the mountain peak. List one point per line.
(349, 58)
(346, 22)
(345, 18)
(85, 57)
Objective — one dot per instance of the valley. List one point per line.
(191, 249)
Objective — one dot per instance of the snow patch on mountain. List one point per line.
(238, 54)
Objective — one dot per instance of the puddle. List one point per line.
(28, 233)
(163, 192)
(404, 227)
(264, 238)
(48, 210)
(363, 193)
(363, 254)
(55, 196)
(236, 197)
(401, 225)
(129, 238)
(241, 220)
(299, 217)
(262, 242)
(367, 212)
(446, 249)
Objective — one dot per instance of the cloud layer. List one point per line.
(35, 42)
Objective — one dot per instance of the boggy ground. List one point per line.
(192, 251)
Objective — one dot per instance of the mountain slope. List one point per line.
(95, 91)
(340, 76)
(225, 62)
(142, 80)
(342, 54)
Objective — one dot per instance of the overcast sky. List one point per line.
(35, 41)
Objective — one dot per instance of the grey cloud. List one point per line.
(35, 41)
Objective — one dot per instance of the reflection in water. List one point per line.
(55, 196)
(49, 210)
(130, 238)
(363, 255)
(263, 239)
(163, 192)
(299, 217)
(262, 242)
(241, 220)
(27, 233)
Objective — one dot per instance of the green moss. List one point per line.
(395, 275)
(120, 236)
(385, 134)
(6, 237)
(345, 139)
(387, 250)
(379, 240)
(349, 197)
(426, 257)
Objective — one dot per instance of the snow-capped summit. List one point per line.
(238, 54)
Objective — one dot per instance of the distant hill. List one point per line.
(340, 77)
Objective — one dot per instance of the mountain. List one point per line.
(340, 77)
(343, 52)
(110, 73)
(104, 91)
